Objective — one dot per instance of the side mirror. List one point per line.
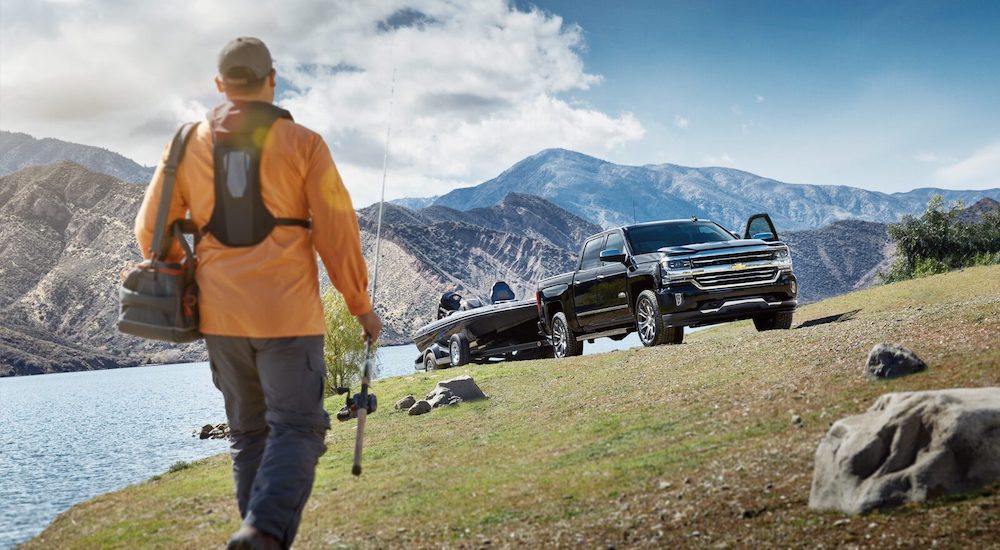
(613, 256)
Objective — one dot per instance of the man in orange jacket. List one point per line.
(268, 196)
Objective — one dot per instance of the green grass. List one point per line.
(644, 446)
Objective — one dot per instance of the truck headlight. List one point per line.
(783, 256)
(679, 264)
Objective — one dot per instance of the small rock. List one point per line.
(892, 360)
(797, 420)
(405, 403)
(841, 522)
(420, 407)
(665, 485)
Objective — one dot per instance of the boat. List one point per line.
(473, 330)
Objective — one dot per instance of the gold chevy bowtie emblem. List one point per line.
(739, 266)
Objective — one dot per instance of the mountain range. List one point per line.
(19, 151)
(613, 195)
(67, 233)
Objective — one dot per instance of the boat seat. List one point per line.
(501, 292)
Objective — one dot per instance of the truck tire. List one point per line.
(649, 322)
(781, 320)
(458, 350)
(564, 342)
(430, 362)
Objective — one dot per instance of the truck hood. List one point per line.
(701, 247)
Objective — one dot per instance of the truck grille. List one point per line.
(739, 258)
(732, 278)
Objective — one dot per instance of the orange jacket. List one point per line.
(269, 290)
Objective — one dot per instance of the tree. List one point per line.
(343, 348)
(939, 241)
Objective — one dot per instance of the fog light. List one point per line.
(678, 299)
(795, 288)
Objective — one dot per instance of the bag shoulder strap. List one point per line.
(162, 240)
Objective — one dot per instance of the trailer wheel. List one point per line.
(564, 342)
(429, 361)
(458, 348)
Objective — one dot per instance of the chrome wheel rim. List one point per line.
(647, 321)
(454, 352)
(428, 363)
(559, 339)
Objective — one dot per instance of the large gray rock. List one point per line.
(892, 360)
(454, 391)
(909, 447)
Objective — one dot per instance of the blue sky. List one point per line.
(882, 95)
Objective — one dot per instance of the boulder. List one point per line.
(405, 403)
(420, 407)
(892, 360)
(909, 447)
(463, 387)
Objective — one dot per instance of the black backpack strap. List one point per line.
(161, 240)
(293, 221)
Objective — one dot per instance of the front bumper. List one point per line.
(684, 304)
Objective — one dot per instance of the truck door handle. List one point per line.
(621, 296)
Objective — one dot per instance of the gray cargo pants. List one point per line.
(273, 389)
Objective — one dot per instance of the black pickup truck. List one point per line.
(657, 278)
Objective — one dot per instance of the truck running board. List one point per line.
(615, 332)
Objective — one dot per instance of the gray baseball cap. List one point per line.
(247, 53)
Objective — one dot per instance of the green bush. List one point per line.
(938, 241)
(343, 348)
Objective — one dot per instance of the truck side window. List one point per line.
(592, 253)
(615, 242)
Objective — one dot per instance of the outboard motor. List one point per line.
(450, 303)
(501, 292)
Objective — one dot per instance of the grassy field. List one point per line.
(689, 445)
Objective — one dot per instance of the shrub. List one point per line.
(939, 241)
(343, 348)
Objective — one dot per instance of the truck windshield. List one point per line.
(650, 238)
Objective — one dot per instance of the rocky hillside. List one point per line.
(430, 251)
(980, 208)
(19, 151)
(66, 236)
(611, 194)
(841, 257)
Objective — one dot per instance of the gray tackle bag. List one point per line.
(158, 299)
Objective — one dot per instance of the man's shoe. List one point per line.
(250, 538)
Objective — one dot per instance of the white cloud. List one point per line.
(759, 99)
(681, 122)
(718, 160)
(980, 170)
(479, 85)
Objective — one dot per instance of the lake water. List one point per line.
(65, 438)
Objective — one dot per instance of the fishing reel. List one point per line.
(352, 404)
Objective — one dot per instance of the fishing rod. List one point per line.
(363, 403)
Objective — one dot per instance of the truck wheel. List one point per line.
(781, 320)
(564, 342)
(458, 348)
(675, 335)
(429, 362)
(649, 322)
